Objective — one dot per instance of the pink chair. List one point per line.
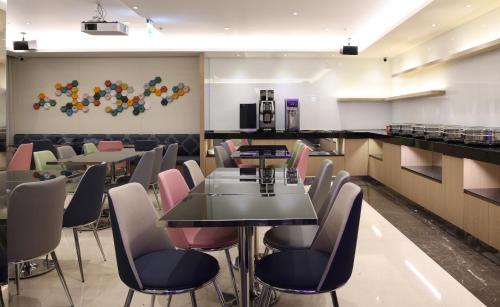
(232, 147)
(173, 189)
(301, 162)
(112, 146)
(244, 142)
(21, 161)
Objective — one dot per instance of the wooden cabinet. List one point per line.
(494, 225)
(375, 168)
(476, 217)
(453, 187)
(315, 161)
(209, 165)
(391, 174)
(356, 156)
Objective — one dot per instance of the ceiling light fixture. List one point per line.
(326, 29)
(28, 23)
(295, 13)
(468, 6)
(135, 7)
(227, 28)
(433, 25)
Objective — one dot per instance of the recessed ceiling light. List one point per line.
(433, 25)
(295, 13)
(135, 7)
(326, 29)
(468, 6)
(28, 23)
(227, 28)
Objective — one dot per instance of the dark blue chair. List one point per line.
(147, 260)
(327, 264)
(86, 206)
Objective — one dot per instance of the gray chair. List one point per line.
(302, 236)
(324, 267)
(156, 170)
(142, 172)
(66, 152)
(170, 158)
(35, 220)
(147, 260)
(85, 207)
(222, 159)
(193, 173)
(318, 192)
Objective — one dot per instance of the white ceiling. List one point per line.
(259, 25)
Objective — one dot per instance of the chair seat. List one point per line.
(175, 269)
(297, 270)
(290, 237)
(211, 238)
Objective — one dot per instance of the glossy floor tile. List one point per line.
(389, 270)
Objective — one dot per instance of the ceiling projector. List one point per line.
(104, 28)
(24, 44)
(349, 50)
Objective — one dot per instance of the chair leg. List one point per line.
(229, 263)
(104, 197)
(155, 191)
(334, 299)
(263, 296)
(16, 269)
(193, 299)
(219, 294)
(128, 300)
(2, 302)
(266, 251)
(96, 235)
(153, 298)
(61, 277)
(169, 300)
(78, 253)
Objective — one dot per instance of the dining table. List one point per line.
(262, 153)
(246, 199)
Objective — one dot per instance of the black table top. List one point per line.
(236, 197)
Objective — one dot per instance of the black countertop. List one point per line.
(488, 194)
(433, 172)
(490, 154)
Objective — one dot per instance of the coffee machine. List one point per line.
(292, 119)
(267, 107)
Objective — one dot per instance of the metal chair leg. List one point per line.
(219, 294)
(193, 299)
(229, 263)
(128, 300)
(104, 197)
(334, 299)
(61, 277)
(155, 191)
(16, 269)
(263, 296)
(169, 300)
(153, 298)
(96, 235)
(78, 253)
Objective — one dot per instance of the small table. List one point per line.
(262, 152)
(109, 157)
(243, 209)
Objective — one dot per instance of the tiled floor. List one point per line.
(390, 270)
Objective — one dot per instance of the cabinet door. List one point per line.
(476, 219)
(375, 169)
(494, 226)
(356, 156)
(392, 166)
(453, 190)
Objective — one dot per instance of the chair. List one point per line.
(221, 158)
(156, 170)
(302, 161)
(66, 152)
(21, 160)
(145, 145)
(89, 148)
(327, 264)
(142, 172)
(41, 145)
(295, 152)
(147, 260)
(173, 189)
(110, 146)
(85, 207)
(35, 223)
(230, 147)
(42, 157)
(169, 160)
(302, 236)
(194, 174)
(318, 192)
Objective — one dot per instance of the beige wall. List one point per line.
(34, 75)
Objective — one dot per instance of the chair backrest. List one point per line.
(110, 146)
(21, 160)
(302, 161)
(89, 148)
(35, 218)
(135, 233)
(86, 204)
(244, 142)
(195, 174)
(42, 157)
(157, 163)
(145, 145)
(144, 169)
(321, 184)
(173, 189)
(339, 235)
(40, 145)
(66, 151)
(295, 152)
(230, 148)
(341, 178)
(169, 160)
(221, 157)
